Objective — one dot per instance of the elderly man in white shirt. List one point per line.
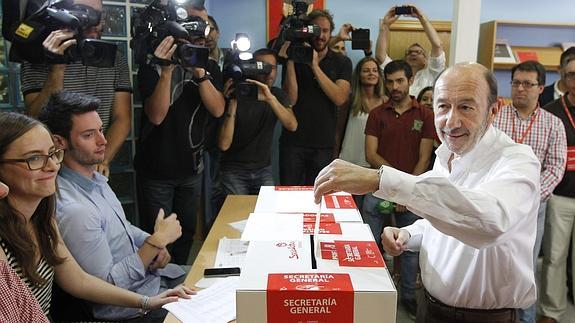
(425, 69)
(479, 207)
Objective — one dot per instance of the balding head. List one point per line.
(475, 69)
(465, 97)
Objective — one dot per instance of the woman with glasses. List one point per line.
(29, 238)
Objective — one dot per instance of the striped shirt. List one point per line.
(101, 82)
(43, 293)
(546, 137)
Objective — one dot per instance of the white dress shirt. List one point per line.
(479, 222)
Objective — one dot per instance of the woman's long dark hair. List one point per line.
(13, 224)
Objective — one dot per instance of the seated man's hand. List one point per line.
(169, 296)
(166, 230)
(394, 240)
(161, 260)
(344, 176)
(58, 41)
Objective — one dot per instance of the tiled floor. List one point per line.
(402, 316)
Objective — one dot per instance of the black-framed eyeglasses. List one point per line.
(526, 84)
(37, 162)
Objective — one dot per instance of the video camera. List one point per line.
(29, 34)
(243, 70)
(240, 65)
(159, 21)
(297, 29)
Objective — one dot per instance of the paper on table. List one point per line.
(273, 227)
(216, 304)
(208, 282)
(239, 225)
(231, 253)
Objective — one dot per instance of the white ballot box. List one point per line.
(339, 206)
(350, 284)
(337, 276)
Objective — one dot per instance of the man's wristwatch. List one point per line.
(206, 76)
(380, 171)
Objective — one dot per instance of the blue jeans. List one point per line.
(409, 260)
(528, 315)
(180, 196)
(236, 181)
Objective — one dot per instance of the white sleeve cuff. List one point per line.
(395, 185)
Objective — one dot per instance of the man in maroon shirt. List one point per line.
(398, 134)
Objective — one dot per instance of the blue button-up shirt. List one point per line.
(101, 239)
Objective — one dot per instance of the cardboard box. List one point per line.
(350, 283)
(299, 199)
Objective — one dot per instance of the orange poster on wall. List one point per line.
(274, 14)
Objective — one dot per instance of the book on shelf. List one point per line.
(527, 55)
(503, 52)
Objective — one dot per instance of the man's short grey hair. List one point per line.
(487, 75)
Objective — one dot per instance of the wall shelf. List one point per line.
(542, 38)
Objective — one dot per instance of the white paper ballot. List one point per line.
(274, 227)
(208, 282)
(239, 225)
(216, 304)
(231, 253)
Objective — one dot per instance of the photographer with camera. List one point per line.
(316, 89)
(247, 130)
(111, 85)
(180, 89)
(425, 69)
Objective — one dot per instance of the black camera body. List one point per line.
(360, 38)
(159, 21)
(404, 10)
(297, 29)
(33, 30)
(240, 71)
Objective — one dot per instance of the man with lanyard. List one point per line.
(555, 90)
(527, 124)
(560, 223)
